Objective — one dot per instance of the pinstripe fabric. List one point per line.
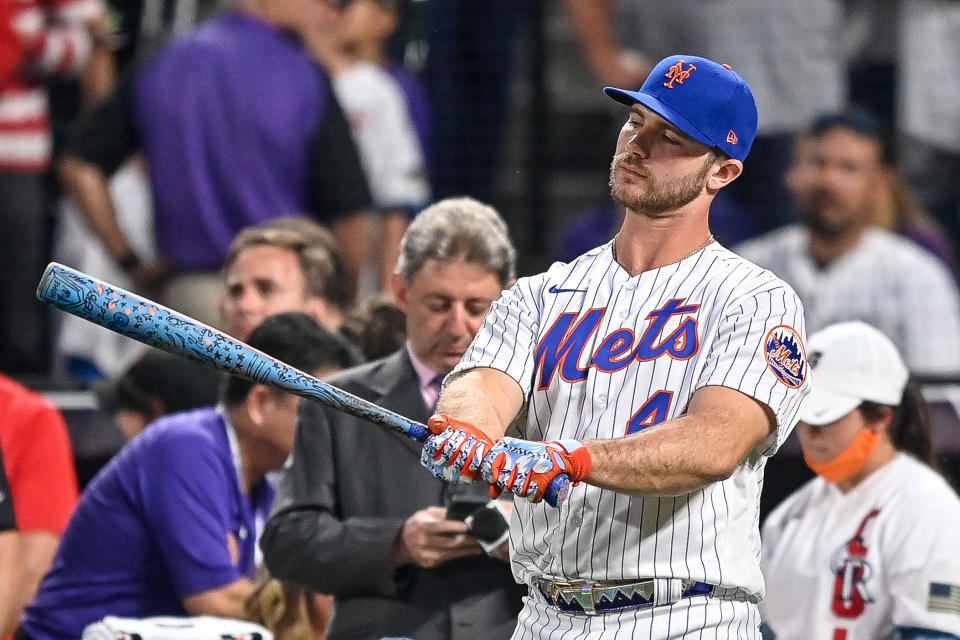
(699, 618)
(885, 281)
(710, 535)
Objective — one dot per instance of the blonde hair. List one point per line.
(280, 608)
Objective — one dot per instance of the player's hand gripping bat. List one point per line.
(150, 323)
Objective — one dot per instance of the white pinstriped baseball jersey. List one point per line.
(599, 353)
(852, 566)
(886, 281)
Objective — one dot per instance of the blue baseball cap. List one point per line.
(708, 101)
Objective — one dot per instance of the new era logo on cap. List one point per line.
(708, 101)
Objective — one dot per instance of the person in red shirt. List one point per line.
(43, 482)
(9, 553)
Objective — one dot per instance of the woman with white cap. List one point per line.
(870, 548)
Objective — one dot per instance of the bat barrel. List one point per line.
(158, 326)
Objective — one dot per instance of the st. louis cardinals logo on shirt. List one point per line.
(853, 572)
(563, 344)
(785, 355)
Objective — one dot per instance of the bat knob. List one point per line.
(556, 492)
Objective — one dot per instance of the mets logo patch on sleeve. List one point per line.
(785, 355)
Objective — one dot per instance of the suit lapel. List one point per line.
(397, 388)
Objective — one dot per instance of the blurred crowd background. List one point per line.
(499, 100)
(207, 154)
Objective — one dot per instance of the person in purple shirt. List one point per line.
(238, 124)
(169, 526)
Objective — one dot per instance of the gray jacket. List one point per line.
(340, 506)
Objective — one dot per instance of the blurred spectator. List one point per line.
(143, 27)
(355, 517)
(156, 384)
(896, 208)
(286, 264)
(928, 87)
(238, 124)
(378, 327)
(864, 550)
(169, 526)
(41, 39)
(377, 109)
(284, 610)
(790, 53)
(471, 49)
(9, 555)
(43, 482)
(844, 267)
(83, 350)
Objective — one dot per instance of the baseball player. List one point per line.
(657, 371)
(868, 549)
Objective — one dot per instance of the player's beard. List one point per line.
(658, 197)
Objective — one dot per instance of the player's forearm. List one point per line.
(673, 458)
(486, 398)
(87, 184)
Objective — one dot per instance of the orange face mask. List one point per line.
(849, 461)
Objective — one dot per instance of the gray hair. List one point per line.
(462, 230)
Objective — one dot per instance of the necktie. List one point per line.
(433, 390)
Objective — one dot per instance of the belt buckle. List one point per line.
(580, 592)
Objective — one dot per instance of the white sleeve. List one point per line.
(924, 566)
(386, 139)
(508, 338)
(759, 351)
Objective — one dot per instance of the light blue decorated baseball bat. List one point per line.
(158, 326)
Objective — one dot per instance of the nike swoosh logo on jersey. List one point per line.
(556, 289)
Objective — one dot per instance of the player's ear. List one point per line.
(724, 171)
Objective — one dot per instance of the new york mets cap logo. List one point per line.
(785, 355)
(678, 73)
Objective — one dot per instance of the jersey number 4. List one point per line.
(654, 411)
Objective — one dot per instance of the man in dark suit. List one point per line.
(355, 514)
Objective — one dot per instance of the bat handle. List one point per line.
(557, 490)
(418, 431)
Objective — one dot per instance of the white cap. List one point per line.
(851, 362)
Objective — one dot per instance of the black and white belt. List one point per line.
(592, 598)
